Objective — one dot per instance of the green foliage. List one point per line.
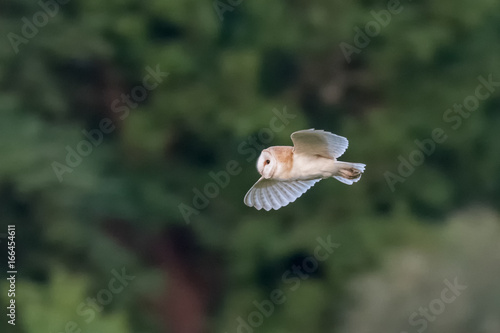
(414, 278)
(53, 307)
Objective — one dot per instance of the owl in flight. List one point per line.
(288, 172)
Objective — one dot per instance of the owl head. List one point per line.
(266, 164)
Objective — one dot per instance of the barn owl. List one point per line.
(288, 172)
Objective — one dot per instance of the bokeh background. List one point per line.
(231, 66)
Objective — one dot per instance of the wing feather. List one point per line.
(280, 195)
(274, 194)
(319, 142)
(271, 196)
(288, 192)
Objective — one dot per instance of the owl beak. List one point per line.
(266, 173)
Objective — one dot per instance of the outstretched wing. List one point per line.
(274, 194)
(319, 142)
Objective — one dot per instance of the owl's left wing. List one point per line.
(274, 194)
(319, 142)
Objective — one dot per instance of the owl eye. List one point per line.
(267, 161)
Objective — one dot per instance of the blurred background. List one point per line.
(129, 136)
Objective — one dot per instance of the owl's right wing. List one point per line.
(274, 194)
(319, 142)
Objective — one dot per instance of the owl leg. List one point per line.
(349, 173)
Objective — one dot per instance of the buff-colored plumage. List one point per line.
(288, 172)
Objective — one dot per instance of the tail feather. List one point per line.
(349, 173)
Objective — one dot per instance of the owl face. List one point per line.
(266, 164)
